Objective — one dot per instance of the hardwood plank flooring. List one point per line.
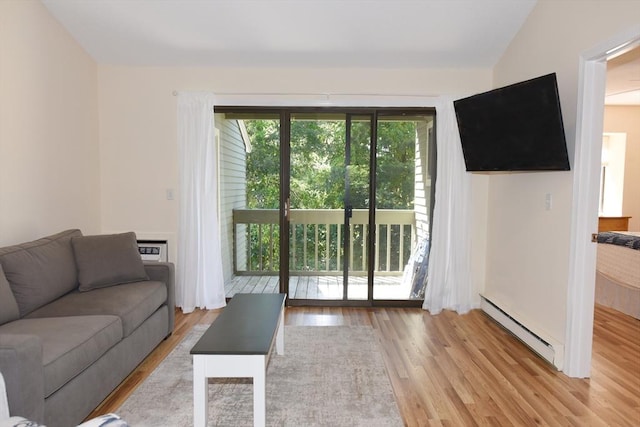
(451, 370)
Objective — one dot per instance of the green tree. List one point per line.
(318, 170)
(395, 164)
(263, 164)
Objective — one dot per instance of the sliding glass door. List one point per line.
(357, 239)
(405, 172)
(336, 203)
(328, 206)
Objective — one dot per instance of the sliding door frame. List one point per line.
(284, 114)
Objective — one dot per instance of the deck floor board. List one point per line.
(320, 287)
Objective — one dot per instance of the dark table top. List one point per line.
(245, 326)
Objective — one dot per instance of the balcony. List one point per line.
(316, 253)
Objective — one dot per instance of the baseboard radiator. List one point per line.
(546, 347)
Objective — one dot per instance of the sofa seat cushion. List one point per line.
(69, 344)
(132, 302)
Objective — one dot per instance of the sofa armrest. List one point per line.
(21, 367)
(164, 272)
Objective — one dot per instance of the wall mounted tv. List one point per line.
(514, 128)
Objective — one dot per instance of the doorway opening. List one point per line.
(582, 263)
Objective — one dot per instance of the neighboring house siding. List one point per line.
(422, 189)
(232, 189)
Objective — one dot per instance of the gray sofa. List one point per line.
(77, 315)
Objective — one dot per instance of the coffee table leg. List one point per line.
(200, 393)
(259, 399)
(280, 335)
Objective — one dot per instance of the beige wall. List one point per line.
(49, 169)
(528, 246)
(627, 119)
(138, 156)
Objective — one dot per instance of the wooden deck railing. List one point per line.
(316, 240)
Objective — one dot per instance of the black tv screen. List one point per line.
(514, 128)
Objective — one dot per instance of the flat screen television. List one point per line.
(514, 128)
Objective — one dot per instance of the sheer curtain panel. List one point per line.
(449, 283)
(199, 269)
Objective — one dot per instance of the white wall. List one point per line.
(138, 126)
(612, 183)
(49, 169)
(528, 246)
(627, 119)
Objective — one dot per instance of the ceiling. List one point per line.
(623, 79)
(294, 33)
(308, 33)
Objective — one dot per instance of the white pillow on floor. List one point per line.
(18, 422)
(107, 420)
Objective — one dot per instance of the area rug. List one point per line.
(328, 376)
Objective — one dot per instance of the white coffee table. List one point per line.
(238, 345)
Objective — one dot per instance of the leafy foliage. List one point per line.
(318, 176)
(318, 164)
(263, 165)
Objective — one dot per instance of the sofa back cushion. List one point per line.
(108, 260)
(40, 271)
(8, 305)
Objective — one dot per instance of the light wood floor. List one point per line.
(451, 370)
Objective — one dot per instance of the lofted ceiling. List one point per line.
(294, 33)
(310, 33)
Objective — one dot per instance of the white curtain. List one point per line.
(450, 285)
(199, 268)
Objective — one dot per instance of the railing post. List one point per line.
(327, 247)
(401, 254)
(316, 247)
(388, 266)
(271, 247)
